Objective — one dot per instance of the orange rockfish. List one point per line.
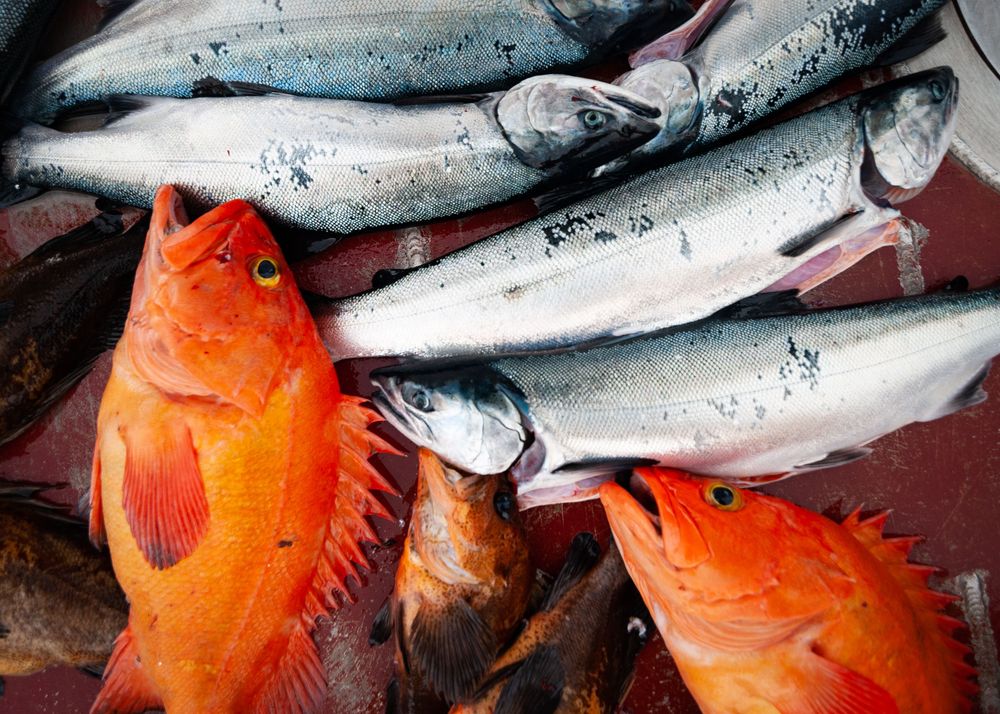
(768, 607)
(463, 584)
(230, 475)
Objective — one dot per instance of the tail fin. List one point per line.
(925, 34)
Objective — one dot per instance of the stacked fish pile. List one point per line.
(646, 319)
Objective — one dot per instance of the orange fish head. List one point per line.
(711, 551)
(215, 310)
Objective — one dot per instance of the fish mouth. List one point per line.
(644, 110)
(397, 417)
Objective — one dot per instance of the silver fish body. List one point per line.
(348, 49)
(337, 165)
(664, 248)
(763, 55)
(21, 24)
(732, 398)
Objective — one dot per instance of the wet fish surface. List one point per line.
(785, 208)
(59, 601)
(339, 166)
(60, 308)
(763, 55)
(809, 390)
(462, 586)
(21, 24)
(227, 464)
(578, 652)
(766, 606)
(353, 49)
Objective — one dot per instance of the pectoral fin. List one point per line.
(832, 689)
(163, 494)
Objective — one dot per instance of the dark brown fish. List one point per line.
(60, 308)
(577, 653)
(462, 587)
(59, 601)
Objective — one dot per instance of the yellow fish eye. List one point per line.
(723, 496)
(265, 272)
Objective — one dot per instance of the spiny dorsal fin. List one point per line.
(928, 604)
(356, 479)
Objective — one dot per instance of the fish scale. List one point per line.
(667, 247)
(741, 81)
(338, 165)
(682, 399)
(315, 163)
(351, 49)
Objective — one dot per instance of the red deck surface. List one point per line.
(941, 479)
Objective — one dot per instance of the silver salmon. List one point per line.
(785, 208)
(763, 55)
(348, 49)
(749, 398)
(336, 165)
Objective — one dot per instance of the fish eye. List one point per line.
(593, 119)
(503, 504)
(265, 272)
(420, 399)
(723, 496)
(937, 90)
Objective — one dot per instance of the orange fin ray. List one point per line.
(297, 685)
(162, 492)
(127, 688)
(96, 524)
(913, 577)
(837, 690)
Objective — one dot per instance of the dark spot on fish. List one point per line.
(196, 58)
(4, 631)
(62, 96)
(284, 543)
(641, 225)
(864, 603)
(218, 48)
(734, 104)
(605, 236)
(558, 233)
(224, 257)
(505, 52)
(300, 176)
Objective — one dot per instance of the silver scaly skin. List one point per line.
(337, 165)
(21, 24)
(808, 391)
(785, 208)
(763, 55)
(347, 49)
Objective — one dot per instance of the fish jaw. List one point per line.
(599, 22)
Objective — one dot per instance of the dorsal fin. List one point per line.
(348, 525)
(929, 604)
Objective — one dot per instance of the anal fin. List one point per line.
(127, 687)
(838, 457)
(298, 681)
(971, 394)
(162, 491)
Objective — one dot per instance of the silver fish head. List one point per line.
(602, 22)
(464, 415)
(672, 88)
(556, 121)
(908, 126)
